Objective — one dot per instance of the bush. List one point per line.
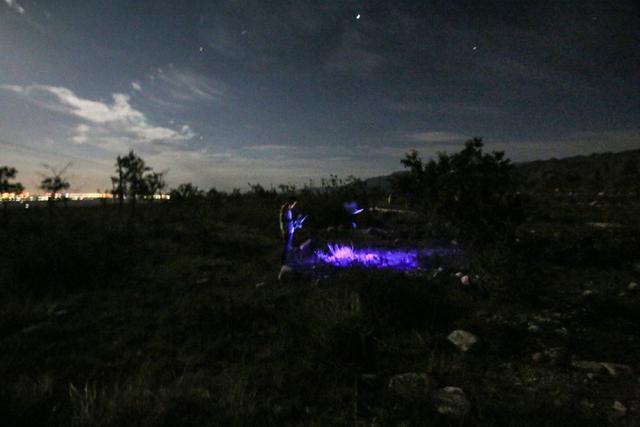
(469, 192)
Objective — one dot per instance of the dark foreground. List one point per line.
(174, 316)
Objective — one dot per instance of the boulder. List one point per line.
(451, 401)
(588, 366)
(462, 339)
(619, 409)
(613, 369)
(286, 273)
(412, 386)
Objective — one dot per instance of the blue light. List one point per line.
(352, 208)
(347, 256)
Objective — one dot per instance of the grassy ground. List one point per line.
(175, 316)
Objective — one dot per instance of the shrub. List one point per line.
(469, 192)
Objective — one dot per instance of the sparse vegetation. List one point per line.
(176, 317)
(469, 193)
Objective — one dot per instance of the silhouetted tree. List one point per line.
(469, 190)
(186, 191)
(54, 182)
(154, 183)
(260, 191)
(135, 179)
(8, 174)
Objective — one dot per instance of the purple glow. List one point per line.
(346, 256)
(353, 208)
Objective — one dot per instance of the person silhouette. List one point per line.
(287, 228)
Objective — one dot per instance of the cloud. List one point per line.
(186, 86)
(13, 4)
(117, 124)
(435, 137)
(268, 147)
(136, 86)
(353, 56)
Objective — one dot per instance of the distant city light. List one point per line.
(24, 197)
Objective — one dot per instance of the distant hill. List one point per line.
(600, 171)
(594, 172)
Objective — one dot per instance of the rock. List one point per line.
(587, 404)
(533, 328)
(286, 272)
(562, 331)
(61, 313)
(619, 409)
(614, 369)
(537, 357)
(459, 274)
(462, 339)
(451, 401)
(260, 284)
(554, 353)
(587, 293)
(33, 328)
(521, 318)
(202, 279)
(412, 386)
(465, 280)
(587, 365)
(632, 286)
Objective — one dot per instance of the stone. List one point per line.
(587, 404)
(632, 286)
(588, 365)
(462, 339)
(554, 353)
(260, 284)
(614, 369)
(533, 328)
(202, 279)
(33, 328)
(451, 401)
(537, 357)
(465, 280)
(619, 409)
(587, 293)
(562, 331)
(412, 386)
(285, 273)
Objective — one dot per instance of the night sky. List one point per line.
(222, 93)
